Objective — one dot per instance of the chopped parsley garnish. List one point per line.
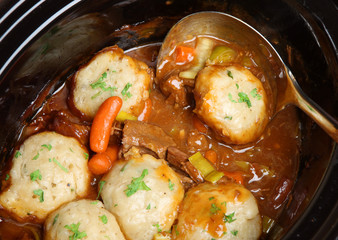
(229, 218)
(55, 219)
(124, 167)
(71, 150)
(171, 185)
(224, 203)
(86, 155)
(102, 85)
(148, 207)
(231, 99)
(36, 156)
(243, 97)
(158, 227)
(237, 86)
(49, 146)
(101, 183)
(40, 193)
(125, 92)
(211, 198)
(94, 202)
(7, 177)
(214, 209)
(228, 117)
(75, 229)
(230, 74)
(255, 94)
(234, 232)
(176, 231)
(36, 175)
(104, 219)
(137, 184)
(213, 238)
(59, 164)
(17, 154)
(115, 205)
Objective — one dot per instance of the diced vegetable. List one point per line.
(222, 54)
(102, 123)
(202, 164)
(243, 165)
(122, 116)
(184, 54)
(214, 176)
(211, 155)
(99, 164)
(203, 50)
(236, 176)
(198, 124)
(267, 224)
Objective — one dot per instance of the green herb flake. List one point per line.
(171, 185)
(255, 94)
(86, 155)
(35, 175)
(137, 184)
(211, 198)
(48, 146)
(124, 167)
(228, 117)
(102, 85)
(125, 91)
(70, 149)
(214, 209)
(59, 164)
(17, 154)
(176, 231)
(243, 98)
(224, 203)
(96, 95)
(94, 202)
(101, 183)
(231, 99)
(7, 177)
(115, 205)
(104, 219)
(36, 156)
(55, 219)
(76, 233)
(157, 227)
(148, 207)
(213, 238)
(40, 193)
(237, 86)
(229, 218)
(230, 74)
(234, 232)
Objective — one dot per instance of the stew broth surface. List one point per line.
(268, 166)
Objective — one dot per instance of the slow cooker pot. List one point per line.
(41, 43)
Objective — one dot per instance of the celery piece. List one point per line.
(201, 164)
(222, 54)
(122, 116)
(214, 176)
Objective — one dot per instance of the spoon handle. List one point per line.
(301, 100)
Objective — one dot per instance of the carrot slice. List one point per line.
(145, 114)
(184, 54)
(236, 176)
(211, 155)
(199, 125)
(99, 164)
(102, 123)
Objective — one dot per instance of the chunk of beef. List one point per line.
(141, 134)
(180, 160)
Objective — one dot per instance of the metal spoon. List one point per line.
(284, 86)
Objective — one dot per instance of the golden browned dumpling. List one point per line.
(86, 218)
(232, 101)
(143, 193)
(224, 211)
(111, 73)
(48, 170)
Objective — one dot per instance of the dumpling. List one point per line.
(232, 101)
(111, 73)
(86, 218)
(224, 211)
(144, 194)
(48, 170)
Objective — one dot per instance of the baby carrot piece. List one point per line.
(112, 152)
(211, 155)
(102, 123)
(236, 176)
(145, 114)
(99, 164)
